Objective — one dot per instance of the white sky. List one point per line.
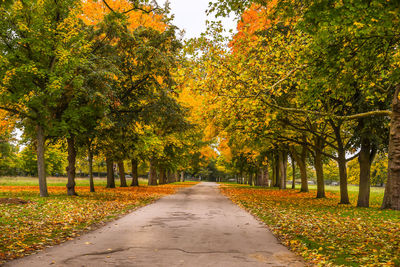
(190, 15)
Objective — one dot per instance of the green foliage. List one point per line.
(42, 42)
(8, 158)
(379, 170)
(56, 160)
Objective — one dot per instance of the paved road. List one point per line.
(195, 227)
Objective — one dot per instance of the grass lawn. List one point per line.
(42, 222)
(59, 181)
(320, 230)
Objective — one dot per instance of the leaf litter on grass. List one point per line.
(320, 230)
(43, 222)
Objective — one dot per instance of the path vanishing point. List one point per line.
(198, 226)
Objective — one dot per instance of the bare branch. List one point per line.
(108, 6)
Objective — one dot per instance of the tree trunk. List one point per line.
(344, 195)
(258, 177)
(110, 173)
(170, 177)
(41, 162)
(162, 178)
(152, 173)
(273, 178)
(293, 173)
(301, 162)
(365, 158)
(71, 166)
(266, 176)
(277, 172)
(182, 176)
(285, 160)
(262, 176)
(122, 178)
(135, 176)
(341, 160)
(391, 199)
(250, 181)
(303, 176)
(90, 156)
(281, 170)
(319, 168)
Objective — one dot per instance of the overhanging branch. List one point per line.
(324, 114)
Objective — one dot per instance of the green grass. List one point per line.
(58, 181)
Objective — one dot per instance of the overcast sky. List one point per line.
(190, 15)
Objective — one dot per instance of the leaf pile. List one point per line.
(320, 230)
(44, 222)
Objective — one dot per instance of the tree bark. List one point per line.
(273, 178)
(365, 159)
(285, 161)
(277, 172)
(182, 176)
(41, 162)
(258, 177)
(391, 199)
(319, 168)
(250, 181)
(301, 162)
(170, 177)
(152, 173)
(266, 176)
(293, 173)
(341, 160)
(262, 177)
(162, 178)
(121, 169)
(90, 156)
(344, 195)
(176, 176)
(135, 176)
(110, 173)
(71, 166)
(281, 170)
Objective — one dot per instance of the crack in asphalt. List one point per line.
(128, 248)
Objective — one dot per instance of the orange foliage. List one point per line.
(95, 10)
(253, 20)
(208, 152)
(6, 123)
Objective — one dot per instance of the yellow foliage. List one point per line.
(225, 150)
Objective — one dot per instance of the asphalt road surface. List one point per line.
(195, 227)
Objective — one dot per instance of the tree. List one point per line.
(351, 53)
(42, 42)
